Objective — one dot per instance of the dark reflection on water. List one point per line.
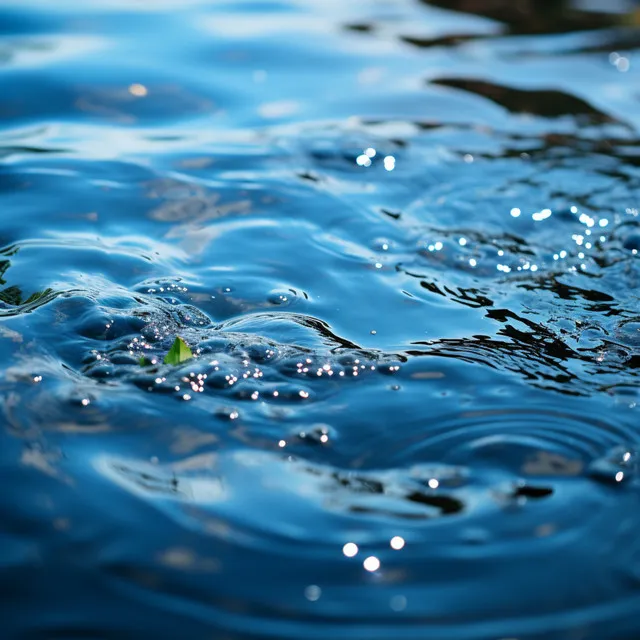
(546, 16)
(401, 238)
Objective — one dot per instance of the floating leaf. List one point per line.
(144, 362)
(178, 353)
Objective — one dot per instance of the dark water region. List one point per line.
(401, 238)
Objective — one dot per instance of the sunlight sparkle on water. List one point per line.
(541, 215)
(397, 543)
(621, 63)
(138, 90)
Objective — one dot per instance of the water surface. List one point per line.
(402, 241)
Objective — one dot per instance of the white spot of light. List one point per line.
(397, 543)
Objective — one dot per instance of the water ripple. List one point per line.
(401, 240)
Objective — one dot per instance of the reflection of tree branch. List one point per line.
(529, 359)
(539, 16)
(4, 265)
(13, 295)
(543, 103)
(319, 326)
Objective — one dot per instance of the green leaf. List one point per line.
(178, 353)
(144, 362)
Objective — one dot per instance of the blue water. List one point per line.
(402, 241)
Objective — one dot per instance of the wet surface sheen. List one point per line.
(402, 241)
